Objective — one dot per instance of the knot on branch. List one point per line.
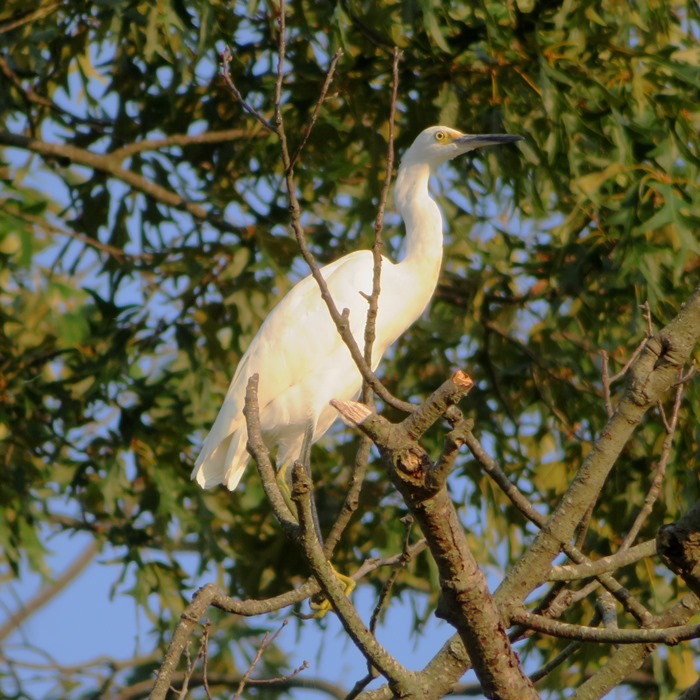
(678, 545)
(413, 472)
(412, 464)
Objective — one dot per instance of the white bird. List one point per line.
(300, 358)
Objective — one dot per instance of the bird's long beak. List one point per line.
(469, 142)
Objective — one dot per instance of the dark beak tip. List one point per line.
(491, 139)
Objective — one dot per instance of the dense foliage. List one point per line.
(144, 236)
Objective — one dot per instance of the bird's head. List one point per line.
(438, 144)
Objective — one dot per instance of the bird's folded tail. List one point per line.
(223, 462)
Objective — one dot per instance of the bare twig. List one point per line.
(370, 326)
(266, 641)
(659, 472)
(630, 361)
(259, 452)
(631, 604)
(204, 653)
(317, 107)
(614, 561)
(189, 670)
(405, 557)
(226, 57)
(566, 653)
(352, 500)
(605, 372)
(565, 630)
(334, 591)
(646, 312)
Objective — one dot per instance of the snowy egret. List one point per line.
(300, 358)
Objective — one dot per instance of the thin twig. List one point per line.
(660, 471)
(568, 651)
(226, 57)
(189, 669)
(266, 641)
(632, 358)
(605, 372)
(281, 52)
(646, 312)
(204, 653)
(317, 107)
(340, 320)
(631, 604)
(377, 247)
(352, 500)
(389, 584)
(362, 457)
(280, 679)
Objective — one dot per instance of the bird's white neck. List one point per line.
(422, 218)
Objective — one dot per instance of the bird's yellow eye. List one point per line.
(440, 136)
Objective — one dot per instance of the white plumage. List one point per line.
(300, 358)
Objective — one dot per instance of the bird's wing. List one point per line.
(296, 337)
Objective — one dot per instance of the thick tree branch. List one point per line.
(111, 164)
(400, 679)
(654, 372)
(630, 657)
(467, 602)
(591, 567)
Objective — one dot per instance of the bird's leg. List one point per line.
(305, 455)
(305, 459)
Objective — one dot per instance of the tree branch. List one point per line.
(110, 164)
(654, 372)
(205, 597)
(400, 679)
(564, 630)
(468, 605)
(590, 567)
(258, 451)
(629, 657)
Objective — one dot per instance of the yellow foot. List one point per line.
(320, 604)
